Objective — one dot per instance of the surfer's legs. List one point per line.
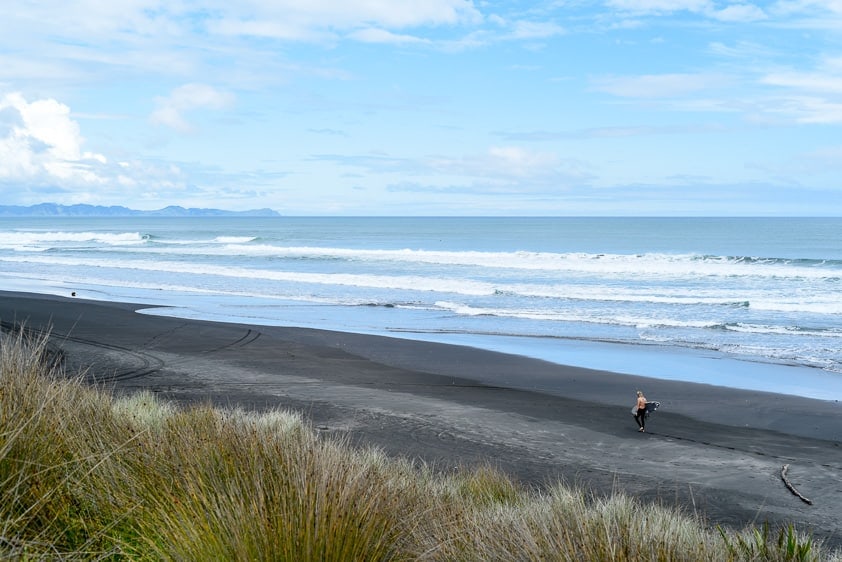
(640, 418)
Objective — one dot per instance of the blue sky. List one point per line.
(427, 107)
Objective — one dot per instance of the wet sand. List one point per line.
(713, 450)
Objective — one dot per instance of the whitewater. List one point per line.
(744, 302)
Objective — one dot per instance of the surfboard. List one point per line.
(651, 406)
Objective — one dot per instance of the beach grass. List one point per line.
(87, 475)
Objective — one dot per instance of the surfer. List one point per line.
(640, 416)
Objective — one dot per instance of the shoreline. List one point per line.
(648, 360)
(712, 449)
(660, 362)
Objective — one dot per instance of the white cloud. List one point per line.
(739, 13)
(502, 169)
(269, 28)
(789, 7)
(740, 50)
(535, 30)
(807, 14)
(814, 96)
(42, 153)
(656, 85)
(809, 110)
(39, 142)
(810, 81)
(736, 13)
(293, 19)
(190, 97)
(520, 162)
(828, 158)
(372, 35)
(90, 18)
(659, 6)
(515, 168)
(50, 42)
(390, 13)
(833, 64)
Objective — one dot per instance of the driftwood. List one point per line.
(789, 485)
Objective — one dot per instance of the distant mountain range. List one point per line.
(56, 210)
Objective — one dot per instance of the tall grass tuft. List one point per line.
(758, 544)
(566, 524)
(237, 488)
(84, 475)
(56, 435)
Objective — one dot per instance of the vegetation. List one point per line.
(84, 475)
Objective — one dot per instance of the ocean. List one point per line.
(743, 302)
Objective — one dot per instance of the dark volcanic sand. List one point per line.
(717, 451)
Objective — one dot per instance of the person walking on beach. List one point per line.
(640, 416)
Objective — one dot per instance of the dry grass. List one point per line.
(87, 476)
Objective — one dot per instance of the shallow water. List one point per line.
(671, 298)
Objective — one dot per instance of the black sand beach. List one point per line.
(713, 450)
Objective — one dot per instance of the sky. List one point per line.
(425, 107)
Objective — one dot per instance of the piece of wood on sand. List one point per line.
(789, 485)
